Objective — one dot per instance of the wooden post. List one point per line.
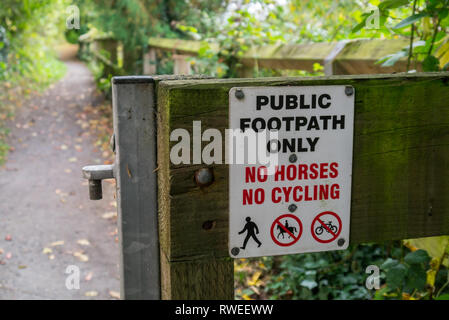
(110, 46)
(400, 186)
(245, 71)
(181, 64)
(149, 62)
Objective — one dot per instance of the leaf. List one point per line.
(89, 276)
(416, 278)
(443, 13)
(381, 293)
(431, 63)
(395, 276)
(47, 250)
(83, 242)
(417, 257)
(430, 277)
(254, 278)
(109, 215)
(82, 257)
(391, 59)
(443, 297)
(409, 20)
(57, 243)
(309, 284)
(91, 293)
(361, 24)
(246, 297)
(389, 263)
(392, 4)
(443, 52)
(435, 246)
(114, 294)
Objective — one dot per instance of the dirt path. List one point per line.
(44, 204)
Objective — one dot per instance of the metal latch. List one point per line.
(95, 174)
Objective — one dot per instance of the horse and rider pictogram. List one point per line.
(286, 230)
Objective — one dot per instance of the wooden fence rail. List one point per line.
(357, 56)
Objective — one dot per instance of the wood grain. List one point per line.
(400, 182)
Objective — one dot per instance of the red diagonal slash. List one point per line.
(326, 227)
(285, 229)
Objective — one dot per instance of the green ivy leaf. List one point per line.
(309, 284)
(396, 276)
(416, 278)
(389, 263)
(416, 257)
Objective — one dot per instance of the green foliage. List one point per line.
(254, 23)
(405, 273)
(405, 279)
(427, 21)
(28, 32)
(132, 22)
(327, 275)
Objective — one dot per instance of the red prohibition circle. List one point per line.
(277, 221)
(317, 218)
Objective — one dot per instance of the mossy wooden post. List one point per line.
(400, 181)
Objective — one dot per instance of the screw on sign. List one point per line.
(326, 227)
(286, 230)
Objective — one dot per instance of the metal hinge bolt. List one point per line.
(95, 174)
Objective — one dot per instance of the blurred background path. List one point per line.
(47, 221)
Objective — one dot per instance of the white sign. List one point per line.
(296, 197)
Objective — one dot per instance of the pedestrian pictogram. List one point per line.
(286, 230)
(326, 227)
(250, 227)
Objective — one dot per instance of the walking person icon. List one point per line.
(250, 227)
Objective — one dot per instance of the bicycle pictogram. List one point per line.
(326, 227)
(330, 228)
